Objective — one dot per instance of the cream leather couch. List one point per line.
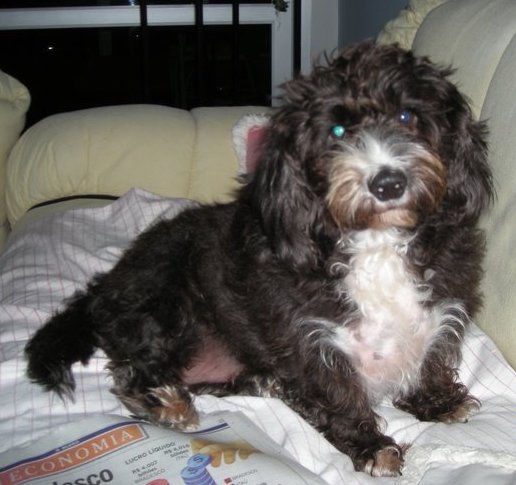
(190, 154)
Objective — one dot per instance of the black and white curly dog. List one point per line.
(345, 271)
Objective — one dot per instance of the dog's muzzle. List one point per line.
(380, 178)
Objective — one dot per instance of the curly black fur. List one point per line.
(262, 284)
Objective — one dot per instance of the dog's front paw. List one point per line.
(386, 462)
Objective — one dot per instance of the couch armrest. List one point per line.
(463, 33)
(14, 103)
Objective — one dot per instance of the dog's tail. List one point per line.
(65, 339)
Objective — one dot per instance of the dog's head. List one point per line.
(379, 138)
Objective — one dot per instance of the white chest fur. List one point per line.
(391, 330)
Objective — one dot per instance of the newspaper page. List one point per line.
(227, 449)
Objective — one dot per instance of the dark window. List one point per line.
(67, 69)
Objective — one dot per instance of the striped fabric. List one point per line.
(49, 259)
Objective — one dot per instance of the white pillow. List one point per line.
(109, 150)
(403, 28)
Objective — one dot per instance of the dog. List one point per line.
(345, 271)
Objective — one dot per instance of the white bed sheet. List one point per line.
(47, 260)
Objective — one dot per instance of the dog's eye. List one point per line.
(338, 131)
(407, 117)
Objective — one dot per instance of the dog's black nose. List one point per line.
(388, 184)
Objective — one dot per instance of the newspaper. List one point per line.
(227, 449)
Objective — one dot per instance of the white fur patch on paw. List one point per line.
(462, 413)
(387, 462)
(175, 410)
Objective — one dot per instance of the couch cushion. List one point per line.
(109, 150)
(104, 150)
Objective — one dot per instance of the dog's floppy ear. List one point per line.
(470, 185)
(248, 138)
(291, 214)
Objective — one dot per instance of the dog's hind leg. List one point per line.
(173, 404)
(165, 403)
